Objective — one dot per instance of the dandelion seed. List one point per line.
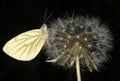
(85, 39)
(86, 46)
(77, 36)
(69, 36)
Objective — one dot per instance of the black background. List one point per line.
(22, 15)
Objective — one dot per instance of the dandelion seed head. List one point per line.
(78, 36)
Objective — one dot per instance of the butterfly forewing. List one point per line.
(25, 46)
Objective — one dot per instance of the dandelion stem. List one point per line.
(78, 69)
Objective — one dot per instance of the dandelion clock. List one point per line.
(78, 41)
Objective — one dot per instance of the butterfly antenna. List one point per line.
(45, 15)
(48, 17)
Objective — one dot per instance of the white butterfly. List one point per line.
(27, 45)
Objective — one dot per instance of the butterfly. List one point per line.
(27, 45)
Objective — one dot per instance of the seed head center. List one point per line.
(76, 44)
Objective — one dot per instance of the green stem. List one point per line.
(78, 69)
